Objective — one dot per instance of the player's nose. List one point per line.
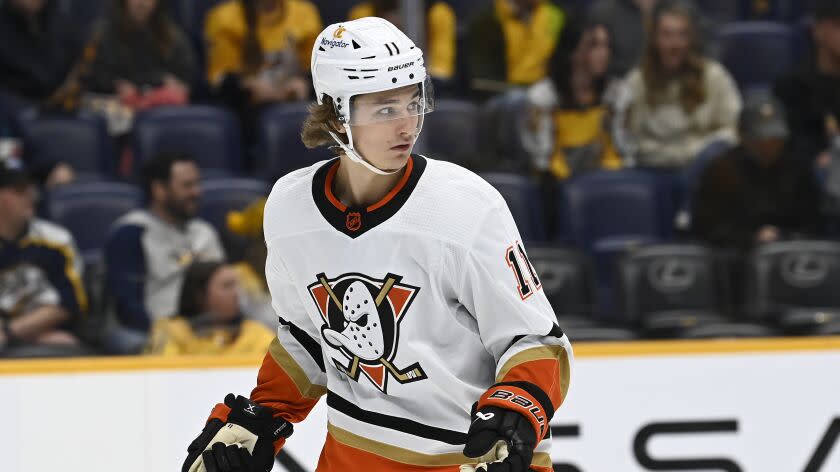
(405, 126)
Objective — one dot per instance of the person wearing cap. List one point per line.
(757, 192)
(811, 91)
(41, 290)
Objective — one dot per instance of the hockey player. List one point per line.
(403, 291)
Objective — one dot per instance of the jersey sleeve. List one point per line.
(292, 377)
(515, 320)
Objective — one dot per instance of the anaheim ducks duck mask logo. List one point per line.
(361, 320)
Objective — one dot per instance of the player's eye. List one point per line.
(414, 107)
(385, 112)
(362, 321)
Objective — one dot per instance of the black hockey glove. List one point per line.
(244, 442)
(508, 422)
(493, 424)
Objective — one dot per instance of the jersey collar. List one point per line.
(355, 221)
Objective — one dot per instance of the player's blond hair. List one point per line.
(321, 120)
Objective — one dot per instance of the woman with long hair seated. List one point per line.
(680, 99)
(209, 319)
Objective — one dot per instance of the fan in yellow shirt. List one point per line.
(583, 137)
(265, 44)
(440, 31)
(209, 321)
(531, 29)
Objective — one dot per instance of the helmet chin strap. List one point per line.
(356, 157)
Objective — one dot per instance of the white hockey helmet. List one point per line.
(364, 56)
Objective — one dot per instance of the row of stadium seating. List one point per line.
(212, 136)
(684, 291)
(612, 266)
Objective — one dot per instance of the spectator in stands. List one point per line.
(141, 56)
(526, 30)
(440, 31)
(209, 319)
(626, 19)
(583, 140)
(148, 250)
(679, 99)
(756, 192)
(41, 291)
(811, 92)
(38, 48)
(259, 50)
(256, 300)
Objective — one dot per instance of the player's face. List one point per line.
(391, 121)
(673, 40)
(184, 190)
(223, 294)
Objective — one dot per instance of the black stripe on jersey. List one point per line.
(305, 340)
(556, 332)
(369, 220)
(536, 392)
(393, 422)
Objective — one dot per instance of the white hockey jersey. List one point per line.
(403, 313)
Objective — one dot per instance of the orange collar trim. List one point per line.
(384, 201)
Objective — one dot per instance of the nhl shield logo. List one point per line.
(361, 320)
(354, 221)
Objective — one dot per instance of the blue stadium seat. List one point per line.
(721, 11)
(80, 140)
(606, 204)
(209, 134)
(522, 198)
(88, 210)
(607, 213)
(450, 133)
(222, 195)
(279, 147)
(756, 52)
